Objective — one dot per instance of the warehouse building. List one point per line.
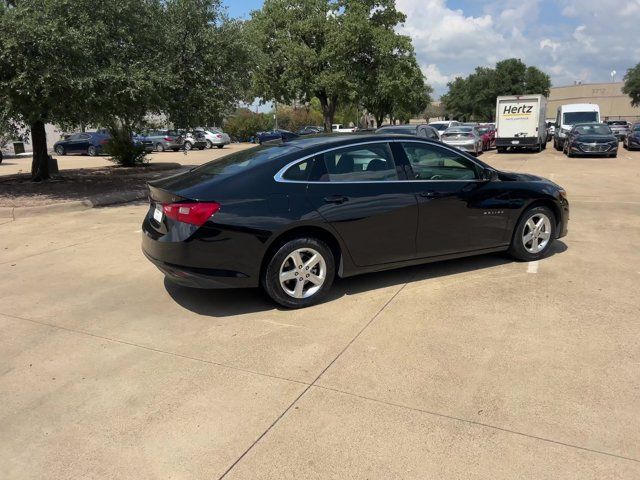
(614, 105)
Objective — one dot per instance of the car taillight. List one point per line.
(218, 135)
(167, 139)
(192, 213)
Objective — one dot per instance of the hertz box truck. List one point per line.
(520, 122)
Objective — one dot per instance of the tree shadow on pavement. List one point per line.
(229, 302)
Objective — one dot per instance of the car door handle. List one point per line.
(338, 199)
(430, 194)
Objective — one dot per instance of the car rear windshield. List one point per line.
(571, 118)
(439, 126)
(617, 122)
(593, 130)
(244, 160)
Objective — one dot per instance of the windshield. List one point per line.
(482, 130)
(571, 118)
(594, 129)
(244, 160)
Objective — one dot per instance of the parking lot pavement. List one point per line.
(22, 164)
(474, 368)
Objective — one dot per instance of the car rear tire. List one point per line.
(209, 144)
(201, 148)
(220, 146)
(534, 234)
(299, 273)
(92, 151)
(159, 147)
(60, 150)
(187, 146)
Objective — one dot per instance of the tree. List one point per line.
(474, 97)
(631, 85)
(207, 63)
(318, 48)
(76, 61)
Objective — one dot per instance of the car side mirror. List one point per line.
(489, 175)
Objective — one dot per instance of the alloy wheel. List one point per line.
(536, 233)
(303, 273)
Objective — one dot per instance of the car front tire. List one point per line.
(534, 234)
(92, 151)
(299, 273)
(187, 146)
(159, 147)
(220, 146)
(60, 150)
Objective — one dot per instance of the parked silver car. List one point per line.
(214, 137)
(620, 128)
(463, 138)
(163, 139)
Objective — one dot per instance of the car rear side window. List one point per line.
(298, 172)
(363, 163)
(431, 162)
(244, 160)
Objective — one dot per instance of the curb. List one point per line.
(75, 206)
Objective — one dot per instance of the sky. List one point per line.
(571, 40)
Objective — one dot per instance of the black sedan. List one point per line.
(591, 139)
(290, 217)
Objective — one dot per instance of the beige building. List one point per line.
(613, 103)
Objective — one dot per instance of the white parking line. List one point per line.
(532, 267)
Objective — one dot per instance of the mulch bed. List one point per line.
(80, 184)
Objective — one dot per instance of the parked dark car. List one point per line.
(620, 128)
(632, 140)
(591, 139)
(422, 130)
(279, 134)
(310, 130)
(292, 216)
(83, 143)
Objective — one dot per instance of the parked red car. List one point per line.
(488, 135)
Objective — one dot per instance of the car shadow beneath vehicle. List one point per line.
(230, 302)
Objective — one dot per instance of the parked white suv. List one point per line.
(214, 137)
(339, 128)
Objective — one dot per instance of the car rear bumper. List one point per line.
(517, 142)
(465, 146)
(201, 277)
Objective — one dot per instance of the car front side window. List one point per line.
(431, 162)
(364, 163)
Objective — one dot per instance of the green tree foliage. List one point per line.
(474, 97)
(206, 60)
(244, 124)
(109, 63)
(123, 151)
(328, 49)
(292, 119)
(631, 85)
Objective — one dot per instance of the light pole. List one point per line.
(613, 76)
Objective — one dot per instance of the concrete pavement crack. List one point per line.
(273, 424)
(474, 422)
(156, 350)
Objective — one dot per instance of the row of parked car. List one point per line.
(161, 140)
(471, 137)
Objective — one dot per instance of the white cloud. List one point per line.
(569, 39)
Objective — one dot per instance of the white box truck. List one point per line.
(521, 122)
(570, 115)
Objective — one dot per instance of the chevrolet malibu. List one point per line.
(291, 217)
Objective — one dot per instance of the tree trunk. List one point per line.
(40, 162)
(379, 120)
(328, 110)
